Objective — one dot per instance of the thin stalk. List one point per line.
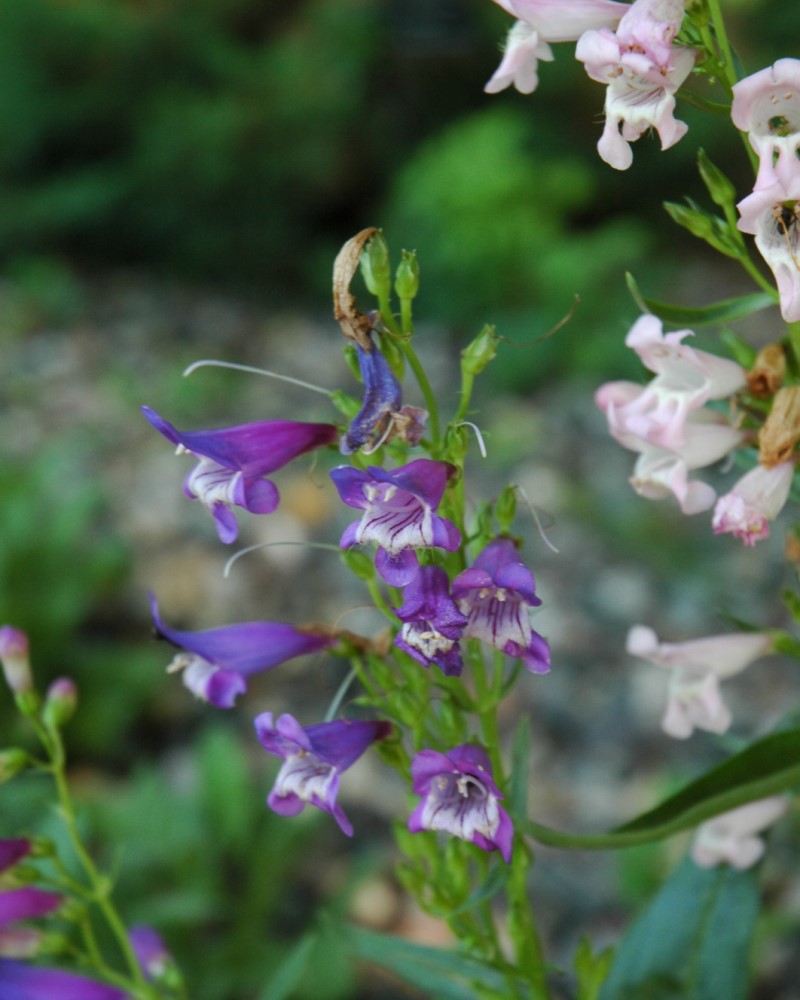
(726, 62)
(99, 884)
(522, 926)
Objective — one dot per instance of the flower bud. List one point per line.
(406, 281)
(719, 187)
(375, 266)
(12, 761)
(477, 355)
(60, 703)
(15, 659)
(768, 370)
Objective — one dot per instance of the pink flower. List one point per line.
(730, 838)
(766, 105)
(540, 22)
(696, 668)
(772, 215)
(643, 70)
(754, 501)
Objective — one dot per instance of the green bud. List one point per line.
(12, 761)
(406, 280)
(60, 703)
(375, 268)
(715, 231)
(359, 563)
(477, 355)
(506, 508)
(15, 660)
(28, 702)
(697, 222)
(722, 191)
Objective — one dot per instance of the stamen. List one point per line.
(338, 698)
(478, 435)
(211, 362)
(536, 520)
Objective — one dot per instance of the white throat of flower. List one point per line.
(462, 805)
(305, 776)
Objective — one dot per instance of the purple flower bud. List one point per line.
(150, 950)
(13, 850)
(459, 796)
(217, 661)
(234, 460)
(313, 759)
(398, 507)
(60, 702)
(15, 659)
(495, 593)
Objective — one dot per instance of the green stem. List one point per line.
(467, 382)
(522, 925)
(51, 739)
(726, 62)
(425, 388)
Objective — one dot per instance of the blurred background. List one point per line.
(176, 177)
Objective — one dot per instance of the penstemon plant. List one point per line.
(456, 590)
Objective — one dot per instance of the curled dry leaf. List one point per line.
(781, 430)
(355, 325)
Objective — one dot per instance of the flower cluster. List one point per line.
(448, 605)
(667, 421)
(629, 48)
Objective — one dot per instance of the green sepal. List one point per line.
(722, 191)
(591, 970)
(767, 767)
(719, 312)
(692, 941)
(505, 508)
(715, 231)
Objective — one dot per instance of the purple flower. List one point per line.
(313, 759)
(432, 623)
(459, 796)
(217, 661)
(398, 507)
(382, 398)
(150, 950)
(27, 982)
(495, 593)
(26, 903)
(234, 460)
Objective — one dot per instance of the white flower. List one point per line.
(754, 501)
(694, 700)
(730, 838)
(766, 105)
(642, 70)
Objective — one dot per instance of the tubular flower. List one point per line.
(540, 22)
(234, 460)
(665, 421)
(19, 981)
(772, 215)
(313, 759)
(432, 624)
(495, 594)
(643, 70)
(754, 501)
(398, 507)
(459, 796)
(696, 668)
(150, 951)
(382, 397)
(766, 105)
(216, 662)
(730, 838)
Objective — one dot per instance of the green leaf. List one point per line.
(770, 766)
(283, 983)
(591, 969)
(443, 974)
(792, 601)
(692, 941)
(493, 884)
(719, 312)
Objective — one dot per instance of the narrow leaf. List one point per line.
(720, 312)
(290, 972)
(692, 941)
(446, 975)
(770, 766)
